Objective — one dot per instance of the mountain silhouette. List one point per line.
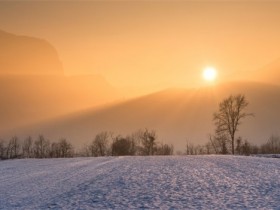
(26, 98)
(27, 55)
(33, 86)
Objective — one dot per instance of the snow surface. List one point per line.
(187, 182)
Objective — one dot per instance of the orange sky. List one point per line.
(152, 43)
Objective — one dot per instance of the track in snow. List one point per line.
(192, 182)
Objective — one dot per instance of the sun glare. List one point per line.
(210, 74)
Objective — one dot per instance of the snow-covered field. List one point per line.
(192, 182)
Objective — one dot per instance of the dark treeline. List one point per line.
(243, 147)
(142, 142)
(39, 148)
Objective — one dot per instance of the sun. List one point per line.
(210, 74)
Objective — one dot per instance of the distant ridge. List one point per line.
(176, 114)
(34, 87)
(27, 55)
(30, 98)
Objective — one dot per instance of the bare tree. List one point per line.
(208, 148)
(61, 149)
(135, 142)
(91, 150)
(27, 147)
(2, 149)
(85, 151)
(164, 149)
(8, 150)
(41, 147)
(192, 149)
(66, 149)
(100, 144)
(246, 148)
(14, 147)
(228, 118)
(189, 148)
(122, 146)
(54, 150)
(239, 143)
(272, 146)
(148, 141)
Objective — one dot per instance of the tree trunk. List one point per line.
(232, 145)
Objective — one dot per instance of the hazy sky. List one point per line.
(146, 43)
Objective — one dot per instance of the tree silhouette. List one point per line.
(228, 118)
(27, 147)
(148, 140)
(121, 146)
(41, 147)
(100, 144)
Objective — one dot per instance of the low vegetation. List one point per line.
(231, 112)
(243, 147)
(142, 142)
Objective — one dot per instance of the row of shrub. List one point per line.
(243, 147)
(40, 148)
(142, 142)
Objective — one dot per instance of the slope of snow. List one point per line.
(192, 182)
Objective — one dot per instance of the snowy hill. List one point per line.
(190, 182)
